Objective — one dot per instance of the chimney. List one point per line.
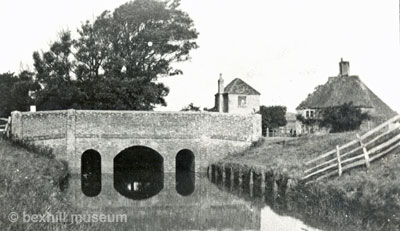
(344, 67)
(220, 84)
(220, 92)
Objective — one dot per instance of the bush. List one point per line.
(342, 118)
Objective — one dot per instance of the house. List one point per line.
(345, 88)
(292, 127)
(236, 97)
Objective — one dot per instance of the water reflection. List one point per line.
(206, 208)
(185, 182)
(138, 185)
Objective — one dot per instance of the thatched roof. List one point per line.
(346, 89)
(238, 86)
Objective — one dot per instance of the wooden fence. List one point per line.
(361, 151)
(4, 128)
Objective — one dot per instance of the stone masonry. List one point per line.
(210, 136)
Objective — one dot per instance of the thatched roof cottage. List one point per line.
(345, 88)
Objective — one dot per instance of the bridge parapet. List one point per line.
(70, 132)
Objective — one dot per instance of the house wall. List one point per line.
(303, 112)
(252, 104)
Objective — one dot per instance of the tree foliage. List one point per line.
(15, 92)
(272, 117)
(342, 118)
(307, 121)
(116, 60)
(190, 107)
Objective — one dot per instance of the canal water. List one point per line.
(182, 201)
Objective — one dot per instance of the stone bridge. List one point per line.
(205, 136)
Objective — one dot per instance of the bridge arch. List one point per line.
(185, 161)
(91, 173)
(184, 172)
(138, 172)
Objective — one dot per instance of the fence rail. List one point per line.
(4, 128)
(361, 151)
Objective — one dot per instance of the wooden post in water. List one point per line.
(240, 178)
(262, 181)
(215, 174)
(366, 154)
(251, 183)
(274, 187)
(232, 178)
(338, 160)
(251, 189)
(223, 174)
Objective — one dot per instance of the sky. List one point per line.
(283, 48)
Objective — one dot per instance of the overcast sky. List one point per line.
(283, 48)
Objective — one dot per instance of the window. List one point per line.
(312, 114)
(242, 101)
(307, 114)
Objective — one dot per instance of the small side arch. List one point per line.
(185, 172)
(185, 161)
(91, 173)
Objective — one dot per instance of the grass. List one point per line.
(370, 198)
(288, 156)
(30, 183)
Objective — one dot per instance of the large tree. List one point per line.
(54, 72)
(116, 60)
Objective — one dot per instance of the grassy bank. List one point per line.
(30, 183)
(288, 156)
(366, 198)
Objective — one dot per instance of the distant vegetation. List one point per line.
(114, 62)
(272, 117)
(190, 107)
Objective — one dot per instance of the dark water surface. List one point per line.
(181, 201)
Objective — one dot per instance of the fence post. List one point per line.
(366, 155)
(223, 174)
(7, 128)
(338, 160)
(262, 182)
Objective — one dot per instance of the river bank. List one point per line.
(32, 183)
(369, 200)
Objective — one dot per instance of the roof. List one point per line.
(346, 89)
(238, 86)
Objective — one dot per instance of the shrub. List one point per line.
(345, 117)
